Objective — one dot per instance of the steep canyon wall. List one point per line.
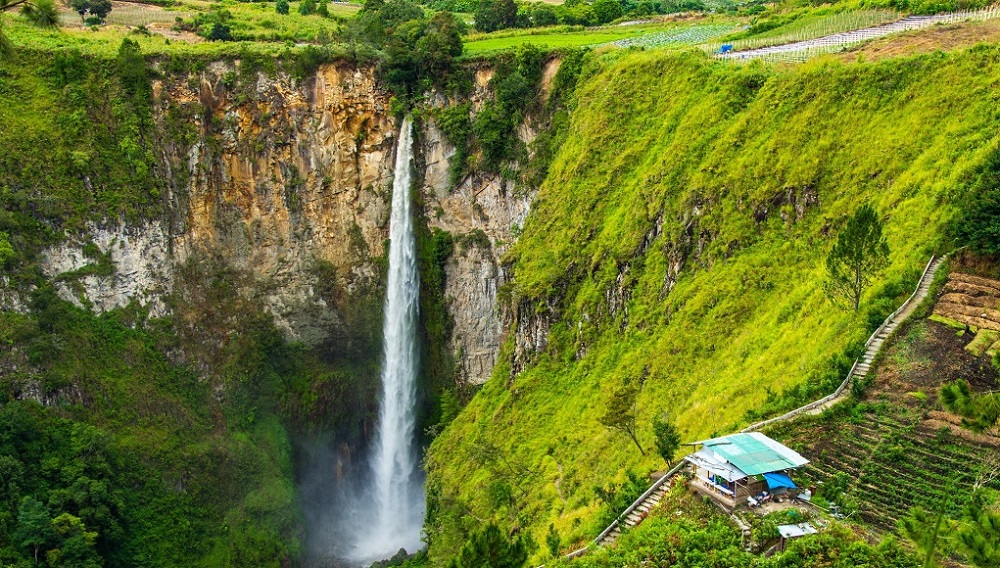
(287, 181)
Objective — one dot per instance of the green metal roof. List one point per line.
(754, 453)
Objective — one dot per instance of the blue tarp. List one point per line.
(777, 480)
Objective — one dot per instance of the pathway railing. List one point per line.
(865, 357)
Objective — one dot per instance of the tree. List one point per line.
(91, 8)
(927, 530)
(489, 548)
(307, 7)
(281, 7)
(41, 13)
(621, 411)
(979, 536)
(544, 15)
(552, 541)
(439, 45)
(608, 10)
(492, 15)
(668, 439)
(858, 255)
(34, 527)
(76, 546)
(7, 252)
(322, 9)
(979, 412)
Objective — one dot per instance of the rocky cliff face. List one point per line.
(287, 182)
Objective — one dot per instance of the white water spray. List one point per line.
(398, 494)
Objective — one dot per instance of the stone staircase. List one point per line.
(888, 327)
(637, 512)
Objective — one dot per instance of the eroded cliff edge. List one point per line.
(287, 181)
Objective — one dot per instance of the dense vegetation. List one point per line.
(129, 440)
(678, 243)
(677, 246)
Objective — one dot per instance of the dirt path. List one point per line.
(832, 42)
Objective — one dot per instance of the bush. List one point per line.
(220, 32)
(307, 7)
(281, 7)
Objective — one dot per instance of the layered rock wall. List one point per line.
(288, 182)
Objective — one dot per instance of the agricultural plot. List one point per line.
(657, 34)
(692, 35)
(878, 459)
(814, 27)
(125, 14)
(801, 50)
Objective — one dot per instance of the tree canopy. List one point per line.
(41, 13)
(489, 548)
(668, 439)
(860, 253)
(620, 412)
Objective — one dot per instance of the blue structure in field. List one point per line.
(746, 466)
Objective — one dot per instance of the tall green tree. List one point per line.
(307, 7)
(34, 528)
(492, 15)
(489, 548)
(979, 412)
(98, 9)
(41, 13)
(979, 536)
(859, 254)
(668, 439)
(621, 410)
(608, 10)
(927, 530)
(76, 544)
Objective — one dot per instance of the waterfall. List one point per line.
(397, 489)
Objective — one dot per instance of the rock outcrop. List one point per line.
(287, 181)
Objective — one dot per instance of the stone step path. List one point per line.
(637, 512)
(832, 42)
(874, 346)
(635, 516)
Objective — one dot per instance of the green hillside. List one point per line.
(678, 242)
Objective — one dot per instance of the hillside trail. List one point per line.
(842, 39)
(637, 512)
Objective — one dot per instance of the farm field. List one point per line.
(895, 449)
(811, 26)
(670, 34)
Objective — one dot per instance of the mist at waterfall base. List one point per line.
(364, 509)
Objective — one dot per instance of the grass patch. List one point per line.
(679, 240)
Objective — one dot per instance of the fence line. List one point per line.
(800, 50)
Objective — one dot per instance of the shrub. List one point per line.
(220, 32)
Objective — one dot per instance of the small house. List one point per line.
(744, 468)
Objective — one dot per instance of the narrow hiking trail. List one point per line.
(637, 512)
(830, 43)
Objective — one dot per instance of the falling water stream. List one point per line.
(397, 506)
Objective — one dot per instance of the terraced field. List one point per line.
(894, 450)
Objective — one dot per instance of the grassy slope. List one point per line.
(708, 144)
